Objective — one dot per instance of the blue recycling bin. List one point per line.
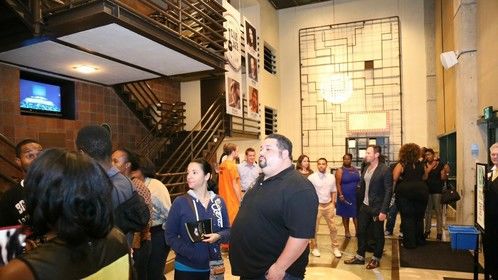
(463, 237)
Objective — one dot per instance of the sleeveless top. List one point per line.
(412, 186)
(105, 258)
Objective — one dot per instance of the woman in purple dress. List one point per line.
(347, 178)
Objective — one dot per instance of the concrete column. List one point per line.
(430, 44)
(467, 130)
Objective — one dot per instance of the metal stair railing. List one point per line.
(146, 99)
(244, 126)
(194, 144)
(180, 16)
(174, 189)
(8, 145)
(203, 19)
(161, 134)
(206, 131)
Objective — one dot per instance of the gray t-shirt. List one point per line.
(368, 176)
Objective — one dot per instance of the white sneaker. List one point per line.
(337, 253)
(315, 252)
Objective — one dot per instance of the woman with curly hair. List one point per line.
(412, 194)
(303, 165)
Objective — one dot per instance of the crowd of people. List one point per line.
(99, 213)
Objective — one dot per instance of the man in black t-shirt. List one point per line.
(12, 204)
(438, 174)
(269, 237)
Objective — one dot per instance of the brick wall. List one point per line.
(94, 105)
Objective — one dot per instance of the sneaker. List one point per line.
(337, 253)
(315, 252)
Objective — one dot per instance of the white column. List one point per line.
(467, 113)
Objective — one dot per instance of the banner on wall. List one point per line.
(233, 74)
(252, 70)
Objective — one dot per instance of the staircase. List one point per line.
(158, 116)
(202, 141)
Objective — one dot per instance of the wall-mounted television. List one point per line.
(46, 96)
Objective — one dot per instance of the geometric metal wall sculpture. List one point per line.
(350, 86)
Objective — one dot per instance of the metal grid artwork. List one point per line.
(348, 70)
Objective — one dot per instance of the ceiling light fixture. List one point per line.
(85, 69)
(337, 88)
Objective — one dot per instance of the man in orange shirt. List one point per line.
(229, 181)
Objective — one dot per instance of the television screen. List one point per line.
(40, 97)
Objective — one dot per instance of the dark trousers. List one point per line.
(158, 254)
(365, 220)
(490, 252)
(412, 213)
(287, 276)
(391, 218)
(141, 260)
(187, 275)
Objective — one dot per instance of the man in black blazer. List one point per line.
(491, 216)
(376, 190)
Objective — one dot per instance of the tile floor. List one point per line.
(328, 267)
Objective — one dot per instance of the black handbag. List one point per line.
(449, 194)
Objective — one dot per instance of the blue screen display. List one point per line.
(39, 96)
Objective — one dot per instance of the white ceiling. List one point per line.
(112, 41)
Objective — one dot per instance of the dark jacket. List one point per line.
(380, 189)
(195, 255)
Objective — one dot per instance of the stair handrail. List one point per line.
(198, 144)
(8, 178)
(204, 120)
(11, 145)
(144, 95)
(9, 161)
(145, 145)
(7, 141)
(186, 150)
(245, 124)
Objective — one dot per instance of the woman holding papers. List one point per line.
(197, 224)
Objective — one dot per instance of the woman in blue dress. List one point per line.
(347, 178)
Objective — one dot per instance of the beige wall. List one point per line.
(487, 58)
(264, 17)
(191, 95)
(411, 15)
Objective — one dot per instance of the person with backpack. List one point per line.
(188, 228)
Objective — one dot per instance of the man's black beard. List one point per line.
(262, 164)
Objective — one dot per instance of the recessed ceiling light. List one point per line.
(85, 69)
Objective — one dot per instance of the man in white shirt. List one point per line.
(248, 170)
(324, 184)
